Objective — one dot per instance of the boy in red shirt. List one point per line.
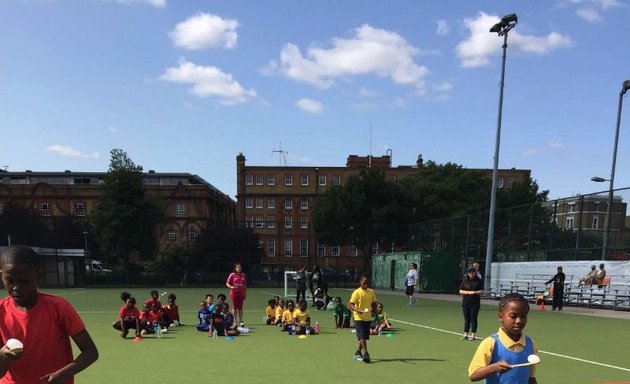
(44, 323)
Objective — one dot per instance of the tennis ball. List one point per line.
(15, 345)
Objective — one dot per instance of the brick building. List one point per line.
(192, 203)
(278, 202)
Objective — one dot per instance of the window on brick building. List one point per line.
(288, 204)
(321, 249)
(335, 250)
(288, 248)
(304, 204)
(249, 180)
(271, 247)
(44, 209)
(79, 209)
(322, 181)
(288, 180)
(271, 203)
(181, 210)
(260, 203)
(259, 179)
(249, 202)
(288, 222)
(304, 180)
(171, 235)
(303, 247)
(303, 222)
(336, 180)
(271, 179)
(271, 221)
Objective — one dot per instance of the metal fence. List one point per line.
(570, 228)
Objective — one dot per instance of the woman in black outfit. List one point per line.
(471, 289)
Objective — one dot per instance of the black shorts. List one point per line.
(410, 289)
(362, 329)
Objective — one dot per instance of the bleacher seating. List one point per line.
(613, 293)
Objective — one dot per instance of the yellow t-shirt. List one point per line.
(279, 312)
(363, 299)
(270, 312)
(287, 317)
(483, 356)
(300, 317)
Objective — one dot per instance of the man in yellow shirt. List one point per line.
(362, 304)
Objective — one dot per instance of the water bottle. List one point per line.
(215, 334)
(157, 330)
(380, 331)
(308, 330)
(317, 327)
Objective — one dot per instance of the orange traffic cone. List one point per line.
(542, 305)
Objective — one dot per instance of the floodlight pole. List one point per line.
(502, 28)
(624, 88)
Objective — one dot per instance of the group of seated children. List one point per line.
(298, 320)
(154, 317)
(292, 320)
(216, 319)
(594, 277)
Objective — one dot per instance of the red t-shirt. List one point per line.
(172, 312)
(129, 314)
(45, 331)
(150, 316)
(239, 282)
(149, 302)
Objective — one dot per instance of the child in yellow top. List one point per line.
(279, 312)
(270, 312)
(497, 354)
(302, 318)
(287, 316)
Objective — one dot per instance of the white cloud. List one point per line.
(590, 14)
(476, 49)
(371, 51)
(310, 105)
(555, 145)
(366, 93)
(442, 28)
(208, 81)
(66, 151)
(205, 30)
(112, 129)
(529, 152)
(400, 102)
(155, 3)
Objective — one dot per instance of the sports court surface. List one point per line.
(577, 345)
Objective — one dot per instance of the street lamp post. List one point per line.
(624, 88)
(501, 28)
(85, 249)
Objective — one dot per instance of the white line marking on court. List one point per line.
(541, 351)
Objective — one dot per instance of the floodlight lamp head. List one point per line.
(625, 86)
(511, 18)
(598, 179)
(496, 28)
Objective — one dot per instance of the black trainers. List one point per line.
(358, 356)
(366, 358)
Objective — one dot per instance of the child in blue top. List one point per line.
(497, 354)
(203, 317)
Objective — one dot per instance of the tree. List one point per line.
(439, 191)
(22, 226)
(366, 209)
(125, 218)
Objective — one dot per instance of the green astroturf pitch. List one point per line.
(425, 346)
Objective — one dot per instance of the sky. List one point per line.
(187, 85)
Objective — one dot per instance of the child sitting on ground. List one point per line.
(203, 317)
(302, 318)
(228, 321)
(155, 298)
(279, 312)
(382, 322)
(270, 312)
(287, 316)
(147, 319)
(172, 311)
(341, 314)
(217, 322)
(209, 299)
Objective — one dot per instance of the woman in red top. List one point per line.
(237, 283)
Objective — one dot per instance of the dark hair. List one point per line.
(338, 298)
(271, 301)
(131, 299)
(154, 291)
(124, 296)
(21, 255)
(221, 296)
(172, 296)
(414, 265)
(209, 295)
(290, 302)
(511, 297)
(302, 302)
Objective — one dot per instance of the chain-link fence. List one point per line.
(571, 228)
